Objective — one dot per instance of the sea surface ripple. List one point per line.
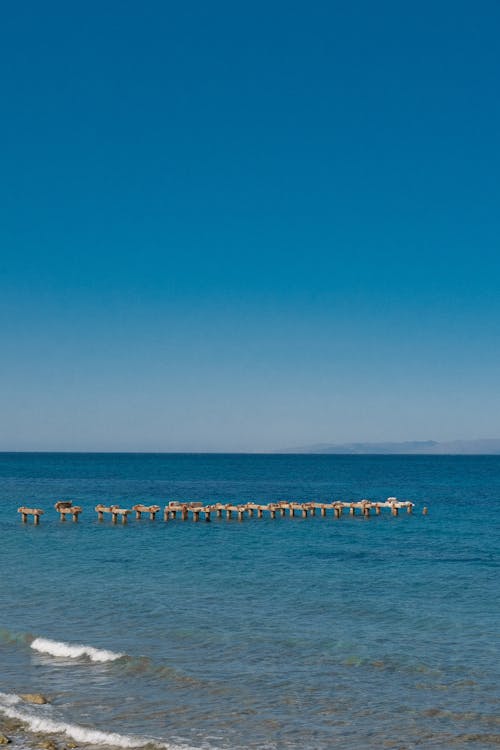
(281, 634)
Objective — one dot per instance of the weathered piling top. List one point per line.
(68, 510)
(35, 512)
(114, 510)
(146, 508)
(140, 508)
(63, 504)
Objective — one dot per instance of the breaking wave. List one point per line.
(73, 651)
(126, 664)
(39, 720)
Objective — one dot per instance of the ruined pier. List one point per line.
(196, 511)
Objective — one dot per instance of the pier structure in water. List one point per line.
(196, 510)
(248, 510)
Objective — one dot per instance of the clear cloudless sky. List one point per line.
(248, 225)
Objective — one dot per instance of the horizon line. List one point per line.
(284, 452)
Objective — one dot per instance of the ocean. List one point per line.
(285, 634)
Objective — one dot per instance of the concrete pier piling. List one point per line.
(184, 509)
(66, 508)
(35, 512)
(102, 509)
(152, 510)
(63, 505)
(120, 513)
(114, 510)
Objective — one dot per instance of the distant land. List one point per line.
(490, 446)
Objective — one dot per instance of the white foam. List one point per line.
(39, 719)
(74, 731)
(73, 651)
(9, 699)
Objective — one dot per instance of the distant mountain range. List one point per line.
(490, 446)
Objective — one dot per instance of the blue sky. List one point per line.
(247, 226)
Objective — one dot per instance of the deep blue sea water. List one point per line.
(288, 633)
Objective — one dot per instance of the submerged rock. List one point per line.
(48, 745)
(10, 725)
(34, 698)
(3, 739)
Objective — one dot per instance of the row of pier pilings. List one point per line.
(196, 510)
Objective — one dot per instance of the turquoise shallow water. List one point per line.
(292, 633)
